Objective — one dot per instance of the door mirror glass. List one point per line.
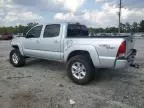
(30, 36)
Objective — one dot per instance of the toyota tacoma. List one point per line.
(70, 43)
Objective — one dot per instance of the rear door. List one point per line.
(51, 42)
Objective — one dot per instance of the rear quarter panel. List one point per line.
(70, 47)
(107, 50)
(102, 50)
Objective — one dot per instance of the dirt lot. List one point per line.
(44, 84)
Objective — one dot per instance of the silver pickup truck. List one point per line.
(70, 43)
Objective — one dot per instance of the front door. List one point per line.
(32, 42)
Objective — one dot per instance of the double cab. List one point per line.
(70, 43)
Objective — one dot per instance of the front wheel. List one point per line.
(16, 59)
(80, 69)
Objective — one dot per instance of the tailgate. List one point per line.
(129, 44)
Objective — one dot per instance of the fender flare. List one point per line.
(89, 48)
(19, 47)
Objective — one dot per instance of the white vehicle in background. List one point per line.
(70, 43)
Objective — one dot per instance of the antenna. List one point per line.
(120, 6)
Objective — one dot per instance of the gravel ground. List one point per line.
(44, 84)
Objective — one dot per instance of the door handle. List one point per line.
(37, 41)
(56, 41)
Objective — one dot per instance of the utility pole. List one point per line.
(120, 6)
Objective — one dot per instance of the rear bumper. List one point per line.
(125, 62)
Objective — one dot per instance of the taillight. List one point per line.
(122, 49)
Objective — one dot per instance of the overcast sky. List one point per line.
(96, 13)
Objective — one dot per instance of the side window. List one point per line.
(35, 32)
(51, 30)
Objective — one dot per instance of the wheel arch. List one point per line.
(84, 50)
(15, 46)
(78, 52)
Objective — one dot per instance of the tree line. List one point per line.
(16, 29)
(125, 28)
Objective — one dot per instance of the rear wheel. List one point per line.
(80, 69)
(16, 59)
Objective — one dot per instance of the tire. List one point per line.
(16, 59)
(88, 69)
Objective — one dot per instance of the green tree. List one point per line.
(122, 27)
(128, 27)
(142, 26)
(135, 27)
(29, 26)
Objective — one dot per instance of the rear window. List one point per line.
(76, 30)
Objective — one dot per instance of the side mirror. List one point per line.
(29, 36)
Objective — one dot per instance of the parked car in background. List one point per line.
(6, 37)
